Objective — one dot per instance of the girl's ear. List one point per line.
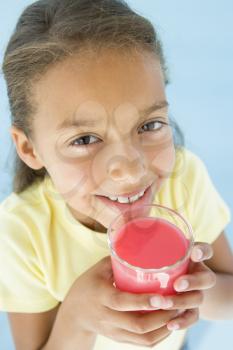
(25, 148)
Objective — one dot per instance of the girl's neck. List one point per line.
(88, 222)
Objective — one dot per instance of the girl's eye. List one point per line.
(90, 139)
(153, 126)
(84, 140)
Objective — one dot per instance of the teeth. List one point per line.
(113, 198)
(131, 199)
(123, 199)
(134, 198)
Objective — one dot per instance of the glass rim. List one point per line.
(161, 269)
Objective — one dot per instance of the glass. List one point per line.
(150, 279)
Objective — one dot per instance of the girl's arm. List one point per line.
(37, 325)
(218, 301)
(66, 336)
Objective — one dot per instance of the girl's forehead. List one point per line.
(109, 67)
(101, 86)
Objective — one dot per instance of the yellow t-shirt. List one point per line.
(43, 249)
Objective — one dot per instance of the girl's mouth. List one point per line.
(142, 198)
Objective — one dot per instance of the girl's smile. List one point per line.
(124, 203)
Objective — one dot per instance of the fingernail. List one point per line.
(198, 254)
(173, 326)
(156, 301)
(182, 285)
(167, 303)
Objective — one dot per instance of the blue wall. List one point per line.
(198, 37)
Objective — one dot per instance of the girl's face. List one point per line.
(101, 130)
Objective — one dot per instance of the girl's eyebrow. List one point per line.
(156, 106)
(69, 123)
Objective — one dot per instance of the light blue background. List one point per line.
(198, 42)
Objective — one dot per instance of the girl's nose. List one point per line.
(123, 168)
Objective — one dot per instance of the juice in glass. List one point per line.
(150, 248)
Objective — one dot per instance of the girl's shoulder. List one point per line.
(24, 210)
(189, 171)
(192, 191)
(24, 249)
(190, 178)
(29, 197)
(188, 163)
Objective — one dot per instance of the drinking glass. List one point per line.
(134, 278)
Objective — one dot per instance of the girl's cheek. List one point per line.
(69, 180)
(163, 161)
(159, 151)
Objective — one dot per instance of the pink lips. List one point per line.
(145, 199)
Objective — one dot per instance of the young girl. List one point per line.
(86, 84)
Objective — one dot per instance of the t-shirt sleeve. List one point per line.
(208, 213)
(22, 283)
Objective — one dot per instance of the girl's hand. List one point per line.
(190, 288)
(93, 305)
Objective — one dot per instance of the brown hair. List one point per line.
(47, 32)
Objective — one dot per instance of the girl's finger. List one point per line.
(201, 252)
(149, 339)
(187, 319)
(196, 281)
(118, 300)
(187, 300)
(136, 322)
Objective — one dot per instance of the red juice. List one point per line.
(149, 243)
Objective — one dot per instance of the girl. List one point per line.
(86, 85)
